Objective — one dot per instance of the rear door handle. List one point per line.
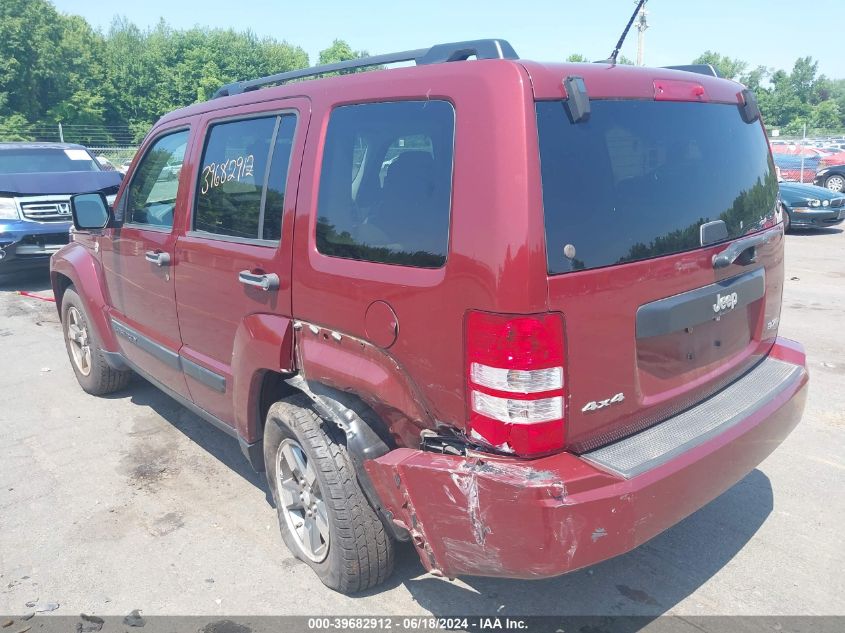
(158, 258)
(265, 282)
(732, 252)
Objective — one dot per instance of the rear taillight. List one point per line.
(515, 381)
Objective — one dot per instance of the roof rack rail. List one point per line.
(701, 69)
(437, 54)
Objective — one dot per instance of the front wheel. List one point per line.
(89, 364)
(325, 519)
(835, 182)
(787, 221)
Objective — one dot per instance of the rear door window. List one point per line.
(237, 195)
(386, 183)
(639, 178)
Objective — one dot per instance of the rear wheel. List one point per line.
(325, 519)
(835, 182)
(85, 351)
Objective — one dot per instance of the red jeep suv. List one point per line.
(521, 315)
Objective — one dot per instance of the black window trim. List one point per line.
(234, 118)
(415, 99)
(128, 188)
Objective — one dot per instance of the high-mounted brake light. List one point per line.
(515, 381)
(677, 90)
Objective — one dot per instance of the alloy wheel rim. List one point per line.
(836, 183)
(80, 345)
(302, 501)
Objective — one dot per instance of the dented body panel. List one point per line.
(489, 516)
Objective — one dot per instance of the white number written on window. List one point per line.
(216, 174)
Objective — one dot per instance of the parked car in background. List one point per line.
(809, 206)
(522, 379)
(172, 169)
(36, 182)
(105, 164)
(124, 166)
(790, 166)
(831, 177)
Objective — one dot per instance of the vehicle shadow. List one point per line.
(30, 281)
(822, 230)
(646, 582)
(214, 441)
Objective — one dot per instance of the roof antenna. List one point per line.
(612, 59)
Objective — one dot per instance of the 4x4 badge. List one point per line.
(595, 405)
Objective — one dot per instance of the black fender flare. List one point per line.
(365, 437)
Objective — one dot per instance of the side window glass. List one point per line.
(231, 196)
(386, 183)
(152, 193)
(274, 202)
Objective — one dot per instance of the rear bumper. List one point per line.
(531, 519)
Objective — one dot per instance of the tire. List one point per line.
(358, 553)
(835, 182)
(85, 351)
(787, 221)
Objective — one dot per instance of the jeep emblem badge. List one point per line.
(726, 302)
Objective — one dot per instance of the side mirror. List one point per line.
(90, 211)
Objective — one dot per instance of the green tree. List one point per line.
(155, 71)
(781, 105)
(802, 80)
(826, 115)
(577, 58)
(754, 78)
(28, 56)
(15, 127)
(836, 90)
(339, 51)
(727, 67)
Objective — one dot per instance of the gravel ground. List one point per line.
(131, 502)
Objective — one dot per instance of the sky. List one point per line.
(770, 33)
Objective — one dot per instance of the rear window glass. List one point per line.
(45, 160)
(639, 178)
(385, 185)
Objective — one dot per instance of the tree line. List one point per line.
(56, 68)
(788, 100)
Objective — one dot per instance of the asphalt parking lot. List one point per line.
(131, 502)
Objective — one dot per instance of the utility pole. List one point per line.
(642, 25)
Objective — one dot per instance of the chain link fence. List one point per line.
(113, 145)
(799, 157)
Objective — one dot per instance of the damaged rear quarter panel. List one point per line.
(356, 366)
(488, 517)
